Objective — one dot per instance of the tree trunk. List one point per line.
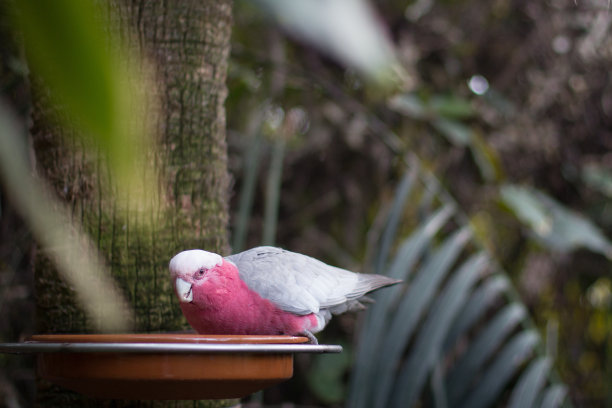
(188, 40)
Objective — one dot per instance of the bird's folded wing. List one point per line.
(300, 284)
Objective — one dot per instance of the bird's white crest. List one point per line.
(190, 261)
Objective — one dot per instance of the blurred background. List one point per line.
(505, 104)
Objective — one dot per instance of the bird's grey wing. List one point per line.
(265, 270)
(300, 284)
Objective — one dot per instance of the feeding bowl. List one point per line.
(165, 366)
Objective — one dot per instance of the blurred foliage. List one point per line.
(95, 86)
(457, 334)
(348, 31)
(93, 90)
(553, 224)
(508, 104)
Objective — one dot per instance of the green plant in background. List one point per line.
(447, 115)
(459, 320)
(347, 31)
(552, 224)
(482, 119)
(457, 334)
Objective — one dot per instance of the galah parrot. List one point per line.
(265, 290)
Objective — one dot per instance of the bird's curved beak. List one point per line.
(183, 290)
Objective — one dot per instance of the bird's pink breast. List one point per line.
(224, 304)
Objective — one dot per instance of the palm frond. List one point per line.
(456, 334)
(530, 384)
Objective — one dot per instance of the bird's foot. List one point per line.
(311, 338)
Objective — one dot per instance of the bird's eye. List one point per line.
(200, 272)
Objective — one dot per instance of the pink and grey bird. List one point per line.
(265, 290)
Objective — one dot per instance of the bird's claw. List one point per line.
(311, 338)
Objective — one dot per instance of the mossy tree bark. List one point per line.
(188, 40)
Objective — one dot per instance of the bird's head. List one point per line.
(191, 268)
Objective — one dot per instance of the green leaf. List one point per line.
(553, 396)
(463, 373)
(413, 248)
(252, 157)
(501, 370)
(486, 158)
(66, 46)
(418, 296)
(402, 193)
(374, 332)
(598, 178)
(409, 104)
(273, 191)
(529, 385)
(456, 132)
(95, 87)
(407, 256)
(452, 107)
(346, 30)
(430, 196)
(437, 385)
(553, 224)
(428, 344)
(528, 208)
(476, 307)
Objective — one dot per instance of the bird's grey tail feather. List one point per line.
(366, 283)
(373, 281)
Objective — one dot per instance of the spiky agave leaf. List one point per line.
(457, 322)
